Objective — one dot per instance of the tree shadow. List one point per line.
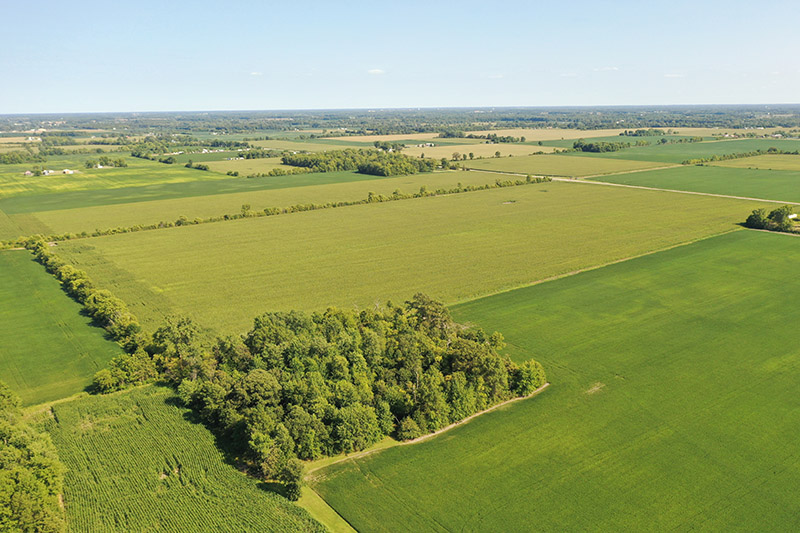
(232, 444)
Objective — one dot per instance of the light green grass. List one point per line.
(246, 167)
(126, 215)
(139, 172)
(451, 247)
(165, 191)
(652, 139)
(558, 165)
(677, 153)
(672, 407)
(764, 162)
(322, 512)
(135, 462)
(48, 349)
(770, 185)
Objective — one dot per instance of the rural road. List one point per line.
(584, 180)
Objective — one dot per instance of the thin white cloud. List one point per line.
(256, 73)
(674, 75)
(606, 69)
(569, 75)
(496, 76)
(376, 71)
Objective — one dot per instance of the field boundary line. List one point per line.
(696, 193)
(423, 438)
(788, 234)
(573, 178)
(594, 267)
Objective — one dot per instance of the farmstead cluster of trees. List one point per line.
(31, 476)
(780, 219)
(373, 162)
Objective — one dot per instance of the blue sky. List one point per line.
(160, 56)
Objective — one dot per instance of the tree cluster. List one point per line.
(649, 132)
(303, 386)
(105, 161)
(31, 476)
(196, 166)
(21, 156)
(599, 146)
(779, 219)
(387, 146)
(373, 162)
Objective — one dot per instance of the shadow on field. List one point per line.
(232, 444)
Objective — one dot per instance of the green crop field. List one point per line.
(652, 139)
(770, 185)
(672, 406)
(764, 162)
(677, 153)
(199, 157)
(479, 150)
(48, 349)
(453, 247)
(100, 209)
(246, 167)
(311, 145)
(136, 463)
(352, 187)
(164, 191)
(139, 172)
(559, 165)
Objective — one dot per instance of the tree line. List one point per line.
(105, 161)
(600, 146)
(373, 162)
(736, 155)
(247, 212)
(31, 476)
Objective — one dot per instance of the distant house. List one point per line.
(68, 171)
(28, 173)
(47, 172)
(793, 215)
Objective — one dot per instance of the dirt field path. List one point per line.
(584, 179)
(678, 191)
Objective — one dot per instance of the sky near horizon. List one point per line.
(78, 56)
